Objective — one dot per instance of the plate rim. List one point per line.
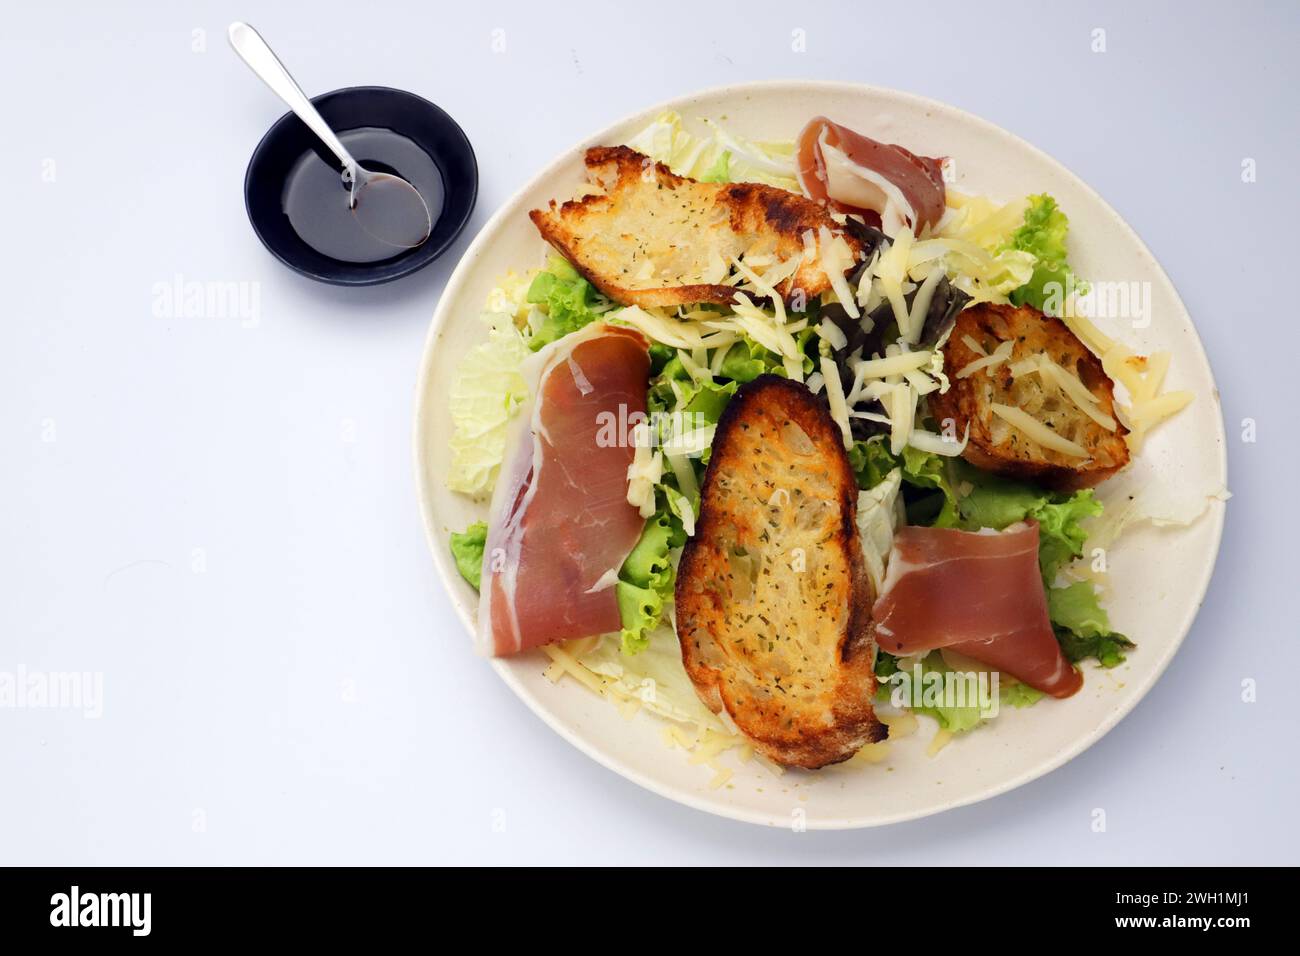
(1215, 513)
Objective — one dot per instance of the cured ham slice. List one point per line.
(561, 526)
(859, 174)
(978, 593)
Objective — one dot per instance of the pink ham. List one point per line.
(561, 526)
(856, 186)
(979, 593)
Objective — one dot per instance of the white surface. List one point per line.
(1183, 461)
(309, 696)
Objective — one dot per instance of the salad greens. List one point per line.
(955, 719)
(1014, 252)
(570, 302)
(645, 582)
(1081, 624)
(922, 471)
(1043, 236)
(485, 392)
(717, 157)
(467, 550)
(994, 502)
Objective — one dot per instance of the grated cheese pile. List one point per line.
(1143, 377)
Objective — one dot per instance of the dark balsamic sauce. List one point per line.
(315, 197)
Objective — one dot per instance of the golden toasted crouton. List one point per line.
(773, 603)
(652, 238)
(1021, 382)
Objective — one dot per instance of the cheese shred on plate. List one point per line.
(1141, 376)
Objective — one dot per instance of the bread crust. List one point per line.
(773, 602)
(649, 236)
(999, 448)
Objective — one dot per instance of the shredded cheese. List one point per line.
(891, 271)
(835, 396)
(995, 358)
(687, 514)
(921, 306)
(1076, 391)
(690, 444)
(940, 740)
(902, 414)
(832, 334)
(660, 327)
(762, 288)
(768, 331)
(1088, 333)
(697, 370)
(837, 259)
(938, 444)
(644, 473)
(891, 365)
(1037, 431)
(684, 474)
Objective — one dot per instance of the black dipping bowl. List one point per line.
(357, 106)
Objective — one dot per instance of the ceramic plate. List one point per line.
(1158, 575)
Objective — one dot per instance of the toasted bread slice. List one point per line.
(999, 446)
(652, 238)
(773, 603)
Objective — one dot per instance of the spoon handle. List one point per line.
(253, 50)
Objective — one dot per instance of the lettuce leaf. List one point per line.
(467, 550)
(715, 154)
(924, 469)
(1061, 534)
(566, 298)
(872, 460)
(646, 579)
(1043, 235)
(957, 720)
(720, 171)
(747, 360)
(1082, 625)
(654, 677)
(995, 502)
(485, 391)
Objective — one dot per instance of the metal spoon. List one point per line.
(386, 206)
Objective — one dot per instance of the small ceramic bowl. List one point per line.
(359, 106)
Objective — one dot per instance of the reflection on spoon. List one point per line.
(388, 208)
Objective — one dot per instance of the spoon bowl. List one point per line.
(388, 208)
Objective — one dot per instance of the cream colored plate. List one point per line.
(1158, 576)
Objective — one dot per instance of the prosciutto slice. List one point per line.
(561, 526)
(978, 593)
(859, 174)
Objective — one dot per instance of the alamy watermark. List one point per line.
(1128, 301)
(624, 429)
(24, 689)
(920, 687)
(183, 298)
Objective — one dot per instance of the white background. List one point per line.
(222, 518)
